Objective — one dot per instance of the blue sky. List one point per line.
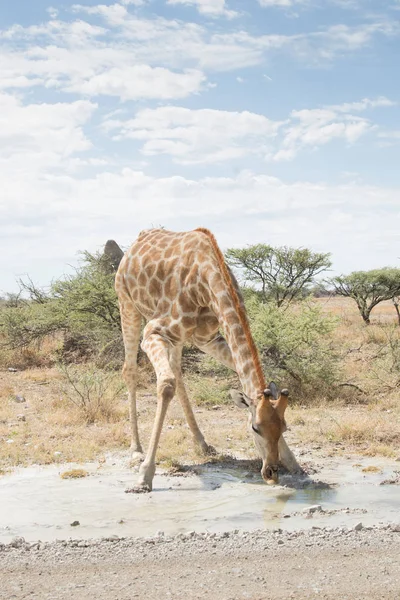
(273, 121)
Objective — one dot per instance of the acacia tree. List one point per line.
(281, 274)
(368, 288)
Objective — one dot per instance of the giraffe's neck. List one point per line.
(237, 333)
(229, 307)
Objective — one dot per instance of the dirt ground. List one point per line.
(330, 564)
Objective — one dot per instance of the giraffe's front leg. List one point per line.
(157, 349)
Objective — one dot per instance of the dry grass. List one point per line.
(35, 356)
(56, 431)
(74, 474)
(371, 469)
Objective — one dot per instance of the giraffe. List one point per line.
(180, 284)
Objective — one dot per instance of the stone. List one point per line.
(21, 418)
(17, 542)
(12, 370)
(112, 256)
(19, 398)
(358, 527)
(75, 523)
(312, 509)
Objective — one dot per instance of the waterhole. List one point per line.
(37, 503)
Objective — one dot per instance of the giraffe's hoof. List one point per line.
(208, 450)
(144, 488)
(136, 458)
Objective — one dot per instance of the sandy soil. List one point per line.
(320, 563)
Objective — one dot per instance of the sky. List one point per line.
(267, 121)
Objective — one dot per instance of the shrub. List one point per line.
(296, 347)
(94, 393)
(81, 310)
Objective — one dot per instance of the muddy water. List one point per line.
(37, 504)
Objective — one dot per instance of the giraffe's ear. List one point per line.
(281, 404)
(240, 398)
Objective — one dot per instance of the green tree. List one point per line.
(368, 288)
(280, 274)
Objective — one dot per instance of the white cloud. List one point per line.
(196, 136)
(117, 58)
(55, 216)
(210, 136)
(41, 135)
(316, 127)
(347, 4)
(76, 61)
(210, 8)
(141, 81)
(280, 3)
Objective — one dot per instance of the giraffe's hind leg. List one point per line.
(187, 409)
(131, 321)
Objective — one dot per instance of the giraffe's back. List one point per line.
(165, 275)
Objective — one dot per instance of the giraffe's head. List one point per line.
(267, 422)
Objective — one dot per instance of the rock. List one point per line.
(21, 418)
(358, 527)
(75, 523)
(19, 398)
(12, 370)
(17, 542)
(57, 453)
(112, 256)
(312, 509)
(9, 441)
(396, 528)
(112, 538)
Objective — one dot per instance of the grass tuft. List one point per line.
(74, 474)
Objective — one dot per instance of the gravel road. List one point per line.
(330, 563)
